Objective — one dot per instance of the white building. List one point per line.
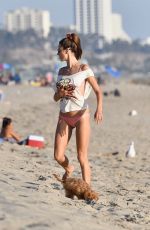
(117, 28)
(24, 19)
(95, 16)
(145, 42)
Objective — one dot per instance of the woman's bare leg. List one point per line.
(82, 140)
(62, 137)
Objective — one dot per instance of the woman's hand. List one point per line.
(65, 92)
(98, 116)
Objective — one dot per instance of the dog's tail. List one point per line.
(58, 178)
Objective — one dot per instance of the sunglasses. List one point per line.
(59, 50)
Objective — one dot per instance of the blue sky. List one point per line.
(135, 13)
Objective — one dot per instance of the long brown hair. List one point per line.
(6, 122)
(72, 41)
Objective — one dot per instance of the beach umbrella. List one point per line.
(6, 66)
(112, 71)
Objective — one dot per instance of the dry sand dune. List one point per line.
(30, 198)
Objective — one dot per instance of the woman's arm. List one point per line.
(57, 96)
(15, 136)
(98, 116)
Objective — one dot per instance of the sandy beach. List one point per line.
(31, 198)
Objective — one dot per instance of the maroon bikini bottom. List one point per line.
(72, 121)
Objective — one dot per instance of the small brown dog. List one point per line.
(77, 187)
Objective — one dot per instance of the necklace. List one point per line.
(73, 69)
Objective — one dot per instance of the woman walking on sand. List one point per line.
(74, 85)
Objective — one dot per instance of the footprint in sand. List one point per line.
(56, 186)
(31, 185)
(4, 181)
(42, 178)
(2, 216)
(14, 178)
(37, 226)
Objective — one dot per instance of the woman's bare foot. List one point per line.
(68, 172)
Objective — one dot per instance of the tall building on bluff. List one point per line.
(24, 19)
(95, 16)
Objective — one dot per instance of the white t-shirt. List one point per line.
(78, 103)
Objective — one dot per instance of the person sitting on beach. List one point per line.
(7, 133)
